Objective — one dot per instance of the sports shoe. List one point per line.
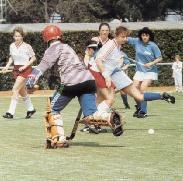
(8, 115)
(64, 144)
(85, 129)
(141, 114)
(127, 106)
(167, 97)
(50, 144)
(136, 112)
(116, 124)
(29, 114)
(93, 130)
(103, 130)
(97, 129)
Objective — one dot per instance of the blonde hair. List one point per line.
(123, 30)
(19, 30)
(178, 57)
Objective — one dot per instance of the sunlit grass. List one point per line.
(134, 156)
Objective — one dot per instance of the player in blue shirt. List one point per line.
(147, 55)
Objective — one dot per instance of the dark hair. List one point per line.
(106, 24)
(146, 31)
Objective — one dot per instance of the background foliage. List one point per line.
(30, 11)
(170, 43)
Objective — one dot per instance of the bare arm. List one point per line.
(154, 62)
(100, 65)
(31, 61)
(125, 67)
(103, 72)
(86, 58)
(157, 60)
(10, 61)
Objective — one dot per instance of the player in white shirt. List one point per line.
(21, 56)
(177, 73)
(109, 61)
(105, 95)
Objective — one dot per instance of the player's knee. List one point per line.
(101, 115)
(140, 97)
(110, 102)
(15, 94)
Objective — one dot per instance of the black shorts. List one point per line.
(87, 87)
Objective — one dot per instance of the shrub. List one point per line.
(170, 42)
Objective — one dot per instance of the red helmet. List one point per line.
(51, 32)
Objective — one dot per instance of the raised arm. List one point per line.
(49, 59)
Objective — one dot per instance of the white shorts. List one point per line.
(140, 76)
(120, 79)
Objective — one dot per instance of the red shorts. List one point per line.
(99, 79)
(23, 73)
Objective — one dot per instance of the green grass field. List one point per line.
(135, 156)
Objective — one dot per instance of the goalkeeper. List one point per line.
(76, 81)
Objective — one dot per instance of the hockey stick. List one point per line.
(131, 60)
(75, 127)
(134, 61)
(7, 71)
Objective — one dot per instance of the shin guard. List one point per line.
(112, 119)
(54, 130)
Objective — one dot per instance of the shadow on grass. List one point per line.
(18, 119)
(148, 116)
(134, 129)
(153, 115)
(95, 144)
(83, 144)
(123, 110)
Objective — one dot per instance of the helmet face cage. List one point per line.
(51, 32)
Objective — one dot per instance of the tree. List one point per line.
(109, 9)
(156, 9)
(176, 6)
(150, 9)
(76, 11)
(91, 10)
(30, 10)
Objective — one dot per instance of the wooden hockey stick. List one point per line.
(1, 72)
(75, 127)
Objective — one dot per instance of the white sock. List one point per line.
(13, 105)
(28, 103)
(101, 115)
(103, 107)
